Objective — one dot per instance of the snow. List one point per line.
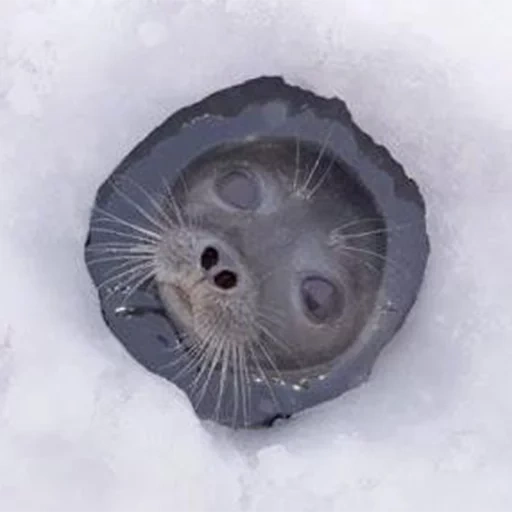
(83, 427)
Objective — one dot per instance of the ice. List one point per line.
(83, 427)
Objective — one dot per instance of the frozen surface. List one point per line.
(82, 427)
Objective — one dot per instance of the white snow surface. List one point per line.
(83, 427)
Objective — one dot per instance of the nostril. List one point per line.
(209, 258)
(226, 279)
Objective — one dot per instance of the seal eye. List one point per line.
(239, 189)
(321, 300)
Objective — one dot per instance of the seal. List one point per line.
(268, 255)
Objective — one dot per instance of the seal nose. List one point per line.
(211, 260)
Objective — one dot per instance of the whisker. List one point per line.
(156, 205)
(99, 246)
(237, 384)
(359, 221)
(261, 346)
(272, 337)
(206, 350)
(114, 218)
(192, 348)
(245, 383)
(194, 221)
(386, 259)
(205, 356)
(365, 263)
(297, 163)
(129, 284)
(122, 287)
(280, 344)
(212, 365)
(278, 322)
(366, 233)
(390, 229)
(363, 251)
(114, 254)
(187, 352)
(271, 314)
(320, 182)
(271, 308)
(123, 234)
(142, 211)
(305, 186)
(134, 269)
(223, 375)
(126, 265)
(263, 374)
(136, 286)
(129, 257)
(173, 203)
(193, 353)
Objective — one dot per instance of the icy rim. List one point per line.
(260, 108)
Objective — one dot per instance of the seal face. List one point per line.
(258, 250)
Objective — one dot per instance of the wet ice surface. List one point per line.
(83, 427)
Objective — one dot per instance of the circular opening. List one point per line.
(209, 258)
(269, 136)
(226, 279)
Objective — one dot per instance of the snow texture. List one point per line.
(83, 427)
